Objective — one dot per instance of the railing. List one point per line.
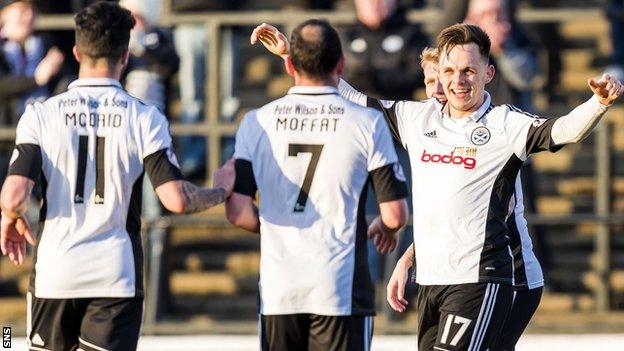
(215, 129)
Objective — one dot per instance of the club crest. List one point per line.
(480, 136)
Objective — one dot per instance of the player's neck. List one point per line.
(99, 70)
(314, 82)
(461, 114)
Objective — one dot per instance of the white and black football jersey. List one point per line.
(309, 155)
(527, 269)
(463, 180)
(89, 147)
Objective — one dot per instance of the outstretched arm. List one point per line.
(181, 196)
(576, 125)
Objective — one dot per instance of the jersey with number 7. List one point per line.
(310, 154)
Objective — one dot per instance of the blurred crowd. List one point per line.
(382, 48)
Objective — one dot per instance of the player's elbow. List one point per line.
(234, 215)
(175, 205)
(172, 197)
(394, 214)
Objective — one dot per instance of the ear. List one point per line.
(340, 66)
(76, 53)
(489, 73)
(290, 67)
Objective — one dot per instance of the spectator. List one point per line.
(26, 66)
(151, 64)
(191, 44)
(615, 14)
(381, 47)
(512, 53)
(153, 59)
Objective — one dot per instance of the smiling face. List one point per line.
(433, 87)
(463, 74)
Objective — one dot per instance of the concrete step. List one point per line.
(217, 307)
(577, 59)
(616, 281)
(209, 283)
(241, 261)
(559, 302)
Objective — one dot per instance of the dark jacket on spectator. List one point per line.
(11, 87)
(204, 5)
(385, 62)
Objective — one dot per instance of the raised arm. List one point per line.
(277, 44)
(577, 125)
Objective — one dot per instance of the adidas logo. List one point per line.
(37, 340)
(431, 134)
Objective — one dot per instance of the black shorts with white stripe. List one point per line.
(88, 324)
(315, 333)
(462, 317)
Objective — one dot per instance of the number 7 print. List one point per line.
(315, 150)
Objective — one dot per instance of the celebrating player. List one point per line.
(90, 147)
(310, 154)
(528, 276)
(465, 156)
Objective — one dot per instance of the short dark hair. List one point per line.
(103, 31)
(315, 48)
(462, 33)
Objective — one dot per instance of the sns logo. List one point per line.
(467, 162)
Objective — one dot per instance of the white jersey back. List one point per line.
(311, 153)
(93, 140)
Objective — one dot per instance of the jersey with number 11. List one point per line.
(93, 141)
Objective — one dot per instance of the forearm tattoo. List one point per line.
(198, 199)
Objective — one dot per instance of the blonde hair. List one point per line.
(429, 55)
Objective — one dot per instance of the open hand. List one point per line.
(607, 88)
(396, 287)
(384, 242)
(272, 39)
(14, 233)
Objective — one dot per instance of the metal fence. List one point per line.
(215, 129)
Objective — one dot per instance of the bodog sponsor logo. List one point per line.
(467, 161)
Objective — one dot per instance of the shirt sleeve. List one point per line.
(528, 133)
(389, 183)
(154, 132)
(159, 160)
(381, 150)
(532, 134)
(26, 159)
(243, 152)
(395, 113)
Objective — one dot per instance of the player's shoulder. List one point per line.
(406, 107)
(511, 111)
